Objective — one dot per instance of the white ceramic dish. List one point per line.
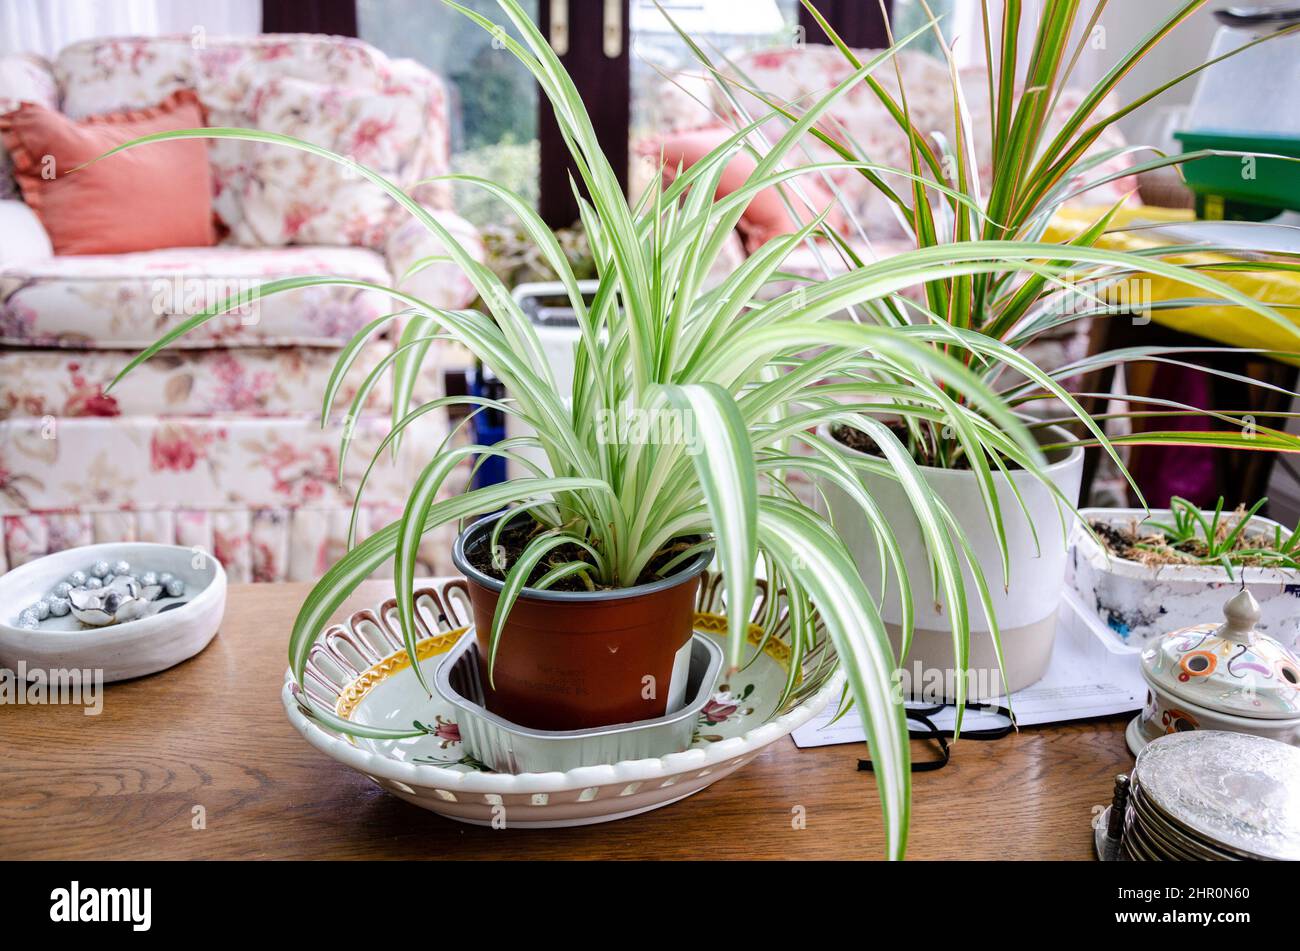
(121, 651)
(359, 671)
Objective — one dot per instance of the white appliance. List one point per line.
(557, 328)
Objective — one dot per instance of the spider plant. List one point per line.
(1036, 169)
(654, 340)
(1191, 536)
(1039, 162)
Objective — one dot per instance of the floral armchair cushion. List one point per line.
(291, 197)
(150, 462)
(126, 301)
(253, 543)
(230, 485)
(253, 381)
(339, 91)
(102, 75)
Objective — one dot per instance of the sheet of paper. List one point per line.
(1089, 675)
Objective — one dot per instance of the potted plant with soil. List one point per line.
(578, 651)
(1019, 619)
(690, 412)
(1148, 574)
(1010, 518)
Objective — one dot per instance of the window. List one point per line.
(910, 15)
(495, 131)
(493, 97)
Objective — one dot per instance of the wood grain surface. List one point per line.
(212, 733)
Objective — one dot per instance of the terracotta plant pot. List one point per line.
(571, 660)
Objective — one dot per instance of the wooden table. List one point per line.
(212, 733)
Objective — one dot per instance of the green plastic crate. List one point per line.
(1222, 189)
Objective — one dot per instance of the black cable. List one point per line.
(930, 731)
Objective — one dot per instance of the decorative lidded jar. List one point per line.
(1225, 676)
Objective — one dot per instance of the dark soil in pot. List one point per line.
(579, 659)
(515, 537)
(1133, 543)
(857, 440)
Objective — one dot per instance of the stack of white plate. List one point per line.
(1207, 795)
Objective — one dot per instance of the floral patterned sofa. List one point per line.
(217, 442)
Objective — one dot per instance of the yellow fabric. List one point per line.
(1226, 323)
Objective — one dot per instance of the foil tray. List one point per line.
(509, 748)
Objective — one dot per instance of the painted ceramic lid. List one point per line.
(1228, 667)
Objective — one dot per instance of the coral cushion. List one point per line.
(766, 216)
(153, 196)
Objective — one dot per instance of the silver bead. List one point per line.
(42, 609)
(59, 607)
(61, 590)
(29, 620)
(99, 569)
(77, 579)
(93, 583)
(121, 568)
(174, 587)
(149, 579)
(165, 577)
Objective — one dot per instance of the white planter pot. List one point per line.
(1139, 603)
(1026, 608)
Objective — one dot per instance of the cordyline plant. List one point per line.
(654, 340)
(1036, 169)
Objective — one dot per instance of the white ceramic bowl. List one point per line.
(121, 651)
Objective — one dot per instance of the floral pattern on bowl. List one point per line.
(375, 692)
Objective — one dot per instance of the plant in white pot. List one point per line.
(675, 436)
(1146, 574)
(1015, 518)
